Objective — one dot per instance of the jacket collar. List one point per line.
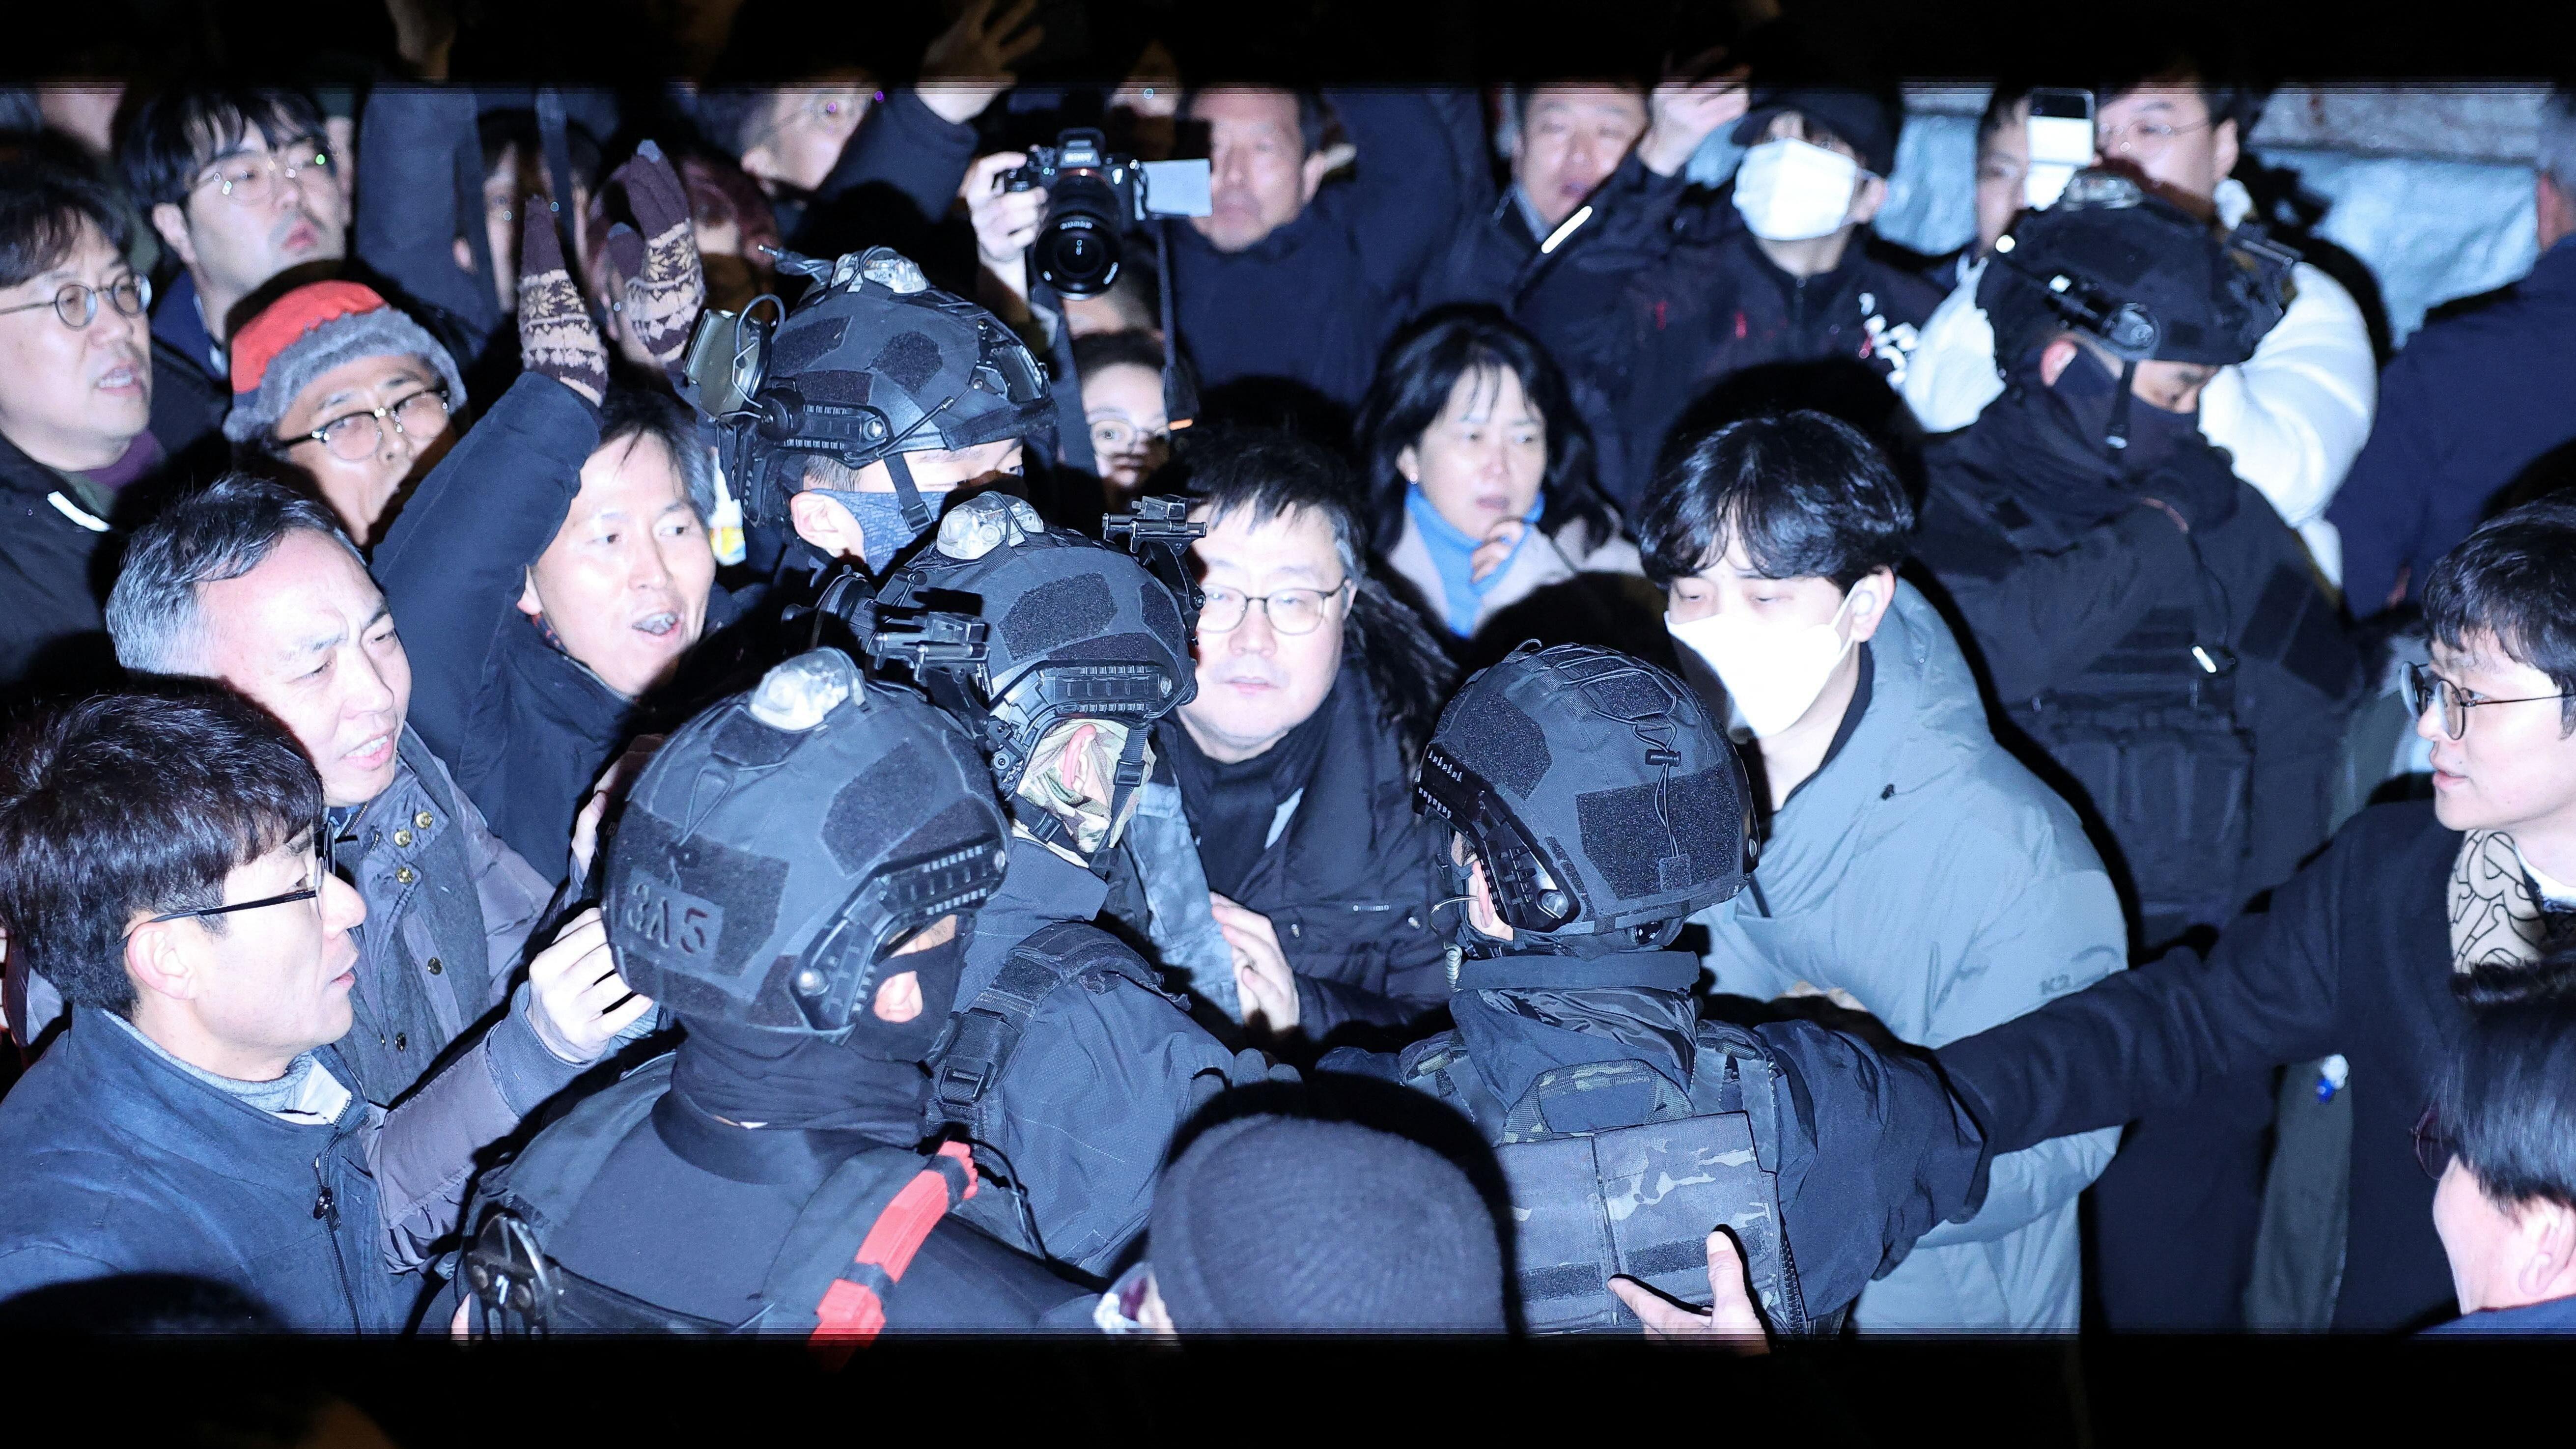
(2554, 274)
(176, 322)
(1925, 722)
(153, 1103)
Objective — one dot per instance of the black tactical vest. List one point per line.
(1637, 1200)
(976, 1051)
(850, 1243)
(2154, 735)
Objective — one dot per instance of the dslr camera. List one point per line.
(1092, 197)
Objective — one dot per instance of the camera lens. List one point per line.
(1077, 252)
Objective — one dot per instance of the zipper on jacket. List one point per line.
(326, 1207)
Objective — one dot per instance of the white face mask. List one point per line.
(1772, 673)
(1792, 191)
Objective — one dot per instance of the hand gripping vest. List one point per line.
(1637, 1200)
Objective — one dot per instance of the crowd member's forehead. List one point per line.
(292, 603)
(1584, 95)
(1293, 541)
(1791, 125)
(223, 134)
(1248, 106)
(389, 370)
(85, 253)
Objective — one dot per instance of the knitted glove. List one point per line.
(556, 335)
(663, 284)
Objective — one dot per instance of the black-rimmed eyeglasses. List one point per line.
(323, 867)
(2423, 686)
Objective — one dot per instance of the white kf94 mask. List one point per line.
(1771, 672)
(1792, 191)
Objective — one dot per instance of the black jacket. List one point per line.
(894, 181)
(1313, 301)
(2353, 956)
(690, 1216)
(524, 727)
(53, 583)
(1717, 306)
(1570, 298)
(1350, 882)
(2068, 583)
(1107, 1069)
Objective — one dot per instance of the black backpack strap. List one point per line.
(890, 1201)
(983, 1037)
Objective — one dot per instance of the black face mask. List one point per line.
(2088, 395)
(938, 967)
(2158, 438)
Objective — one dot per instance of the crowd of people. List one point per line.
(774, 704)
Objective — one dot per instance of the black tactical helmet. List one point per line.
(873, 363)
(1073, 629)
(1595, 789)
(2137, 273)
(785, 842)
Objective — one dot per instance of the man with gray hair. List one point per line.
(2474, 408)
(252, 583)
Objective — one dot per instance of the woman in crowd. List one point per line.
(1482, 492)
(1122, 400)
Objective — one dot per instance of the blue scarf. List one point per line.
(1462, 596)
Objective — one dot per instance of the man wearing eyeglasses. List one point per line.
(2294, 415)
(76, 394)
(2366, 951)
(241, 185)
(250, 583)
(1292, 762)
(163, 857)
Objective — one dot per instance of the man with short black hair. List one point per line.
(2473, 409)
(241, 185)
(1909, 866)
(165, 858)
(76, 393)
(2505, 1203)
(2361, 953)
(1282, 873)
(555, 574)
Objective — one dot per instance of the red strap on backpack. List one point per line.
(852, 1310)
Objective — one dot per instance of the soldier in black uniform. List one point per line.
(796, 875)
(2155, 631)
(2147, 620)
(854, 418)
(1066, 1064)
(1595, 807)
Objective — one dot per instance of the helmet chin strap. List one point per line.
(2117, 437)
(916, 509)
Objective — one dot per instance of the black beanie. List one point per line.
(1272, 1224)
